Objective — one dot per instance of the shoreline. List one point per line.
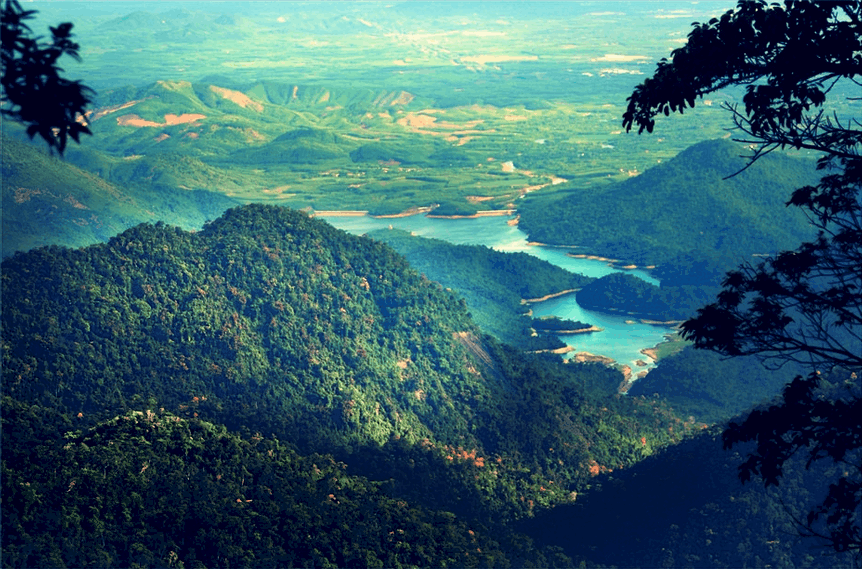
(595, 258)
(339, 213)
(671, 323)
(651, 353)
(570, 332)
(587, 357)
(411, 212)
(540, 244)
(549, 296)
(478, 214)
(406, 213)
(428, 211)
(563, 350)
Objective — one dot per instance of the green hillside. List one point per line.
(493, 284)
(195, 375)
(303, 146)
(335, 145)
(272, 321)
(268, 326)
(47, 201)
(622, 293)
(711, 387)
(680, 207)
(259, 294)
(297, 145)
(685, 507)
(151, 489)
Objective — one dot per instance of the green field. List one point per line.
(374, 107)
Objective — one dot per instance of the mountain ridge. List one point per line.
(685, 205)
(268, 319)
(47, 201)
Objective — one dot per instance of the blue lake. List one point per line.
(622, 338)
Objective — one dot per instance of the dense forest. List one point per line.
(685, 507)
(47, 201)
(689, 205)
(248, 386)
(713, 388)
(495, 285)
(630, 295)
(268, 321)
(278, 376)
(152, 489)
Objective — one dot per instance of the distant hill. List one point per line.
(303, 146)
(493, 283)
(292, 144)
(47, 201)
(211, 120)
(683, 206)
(711, 387)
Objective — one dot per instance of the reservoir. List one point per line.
(622, 338)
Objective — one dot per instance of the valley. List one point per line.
(621, 338)
(488, 114)
(386, 285)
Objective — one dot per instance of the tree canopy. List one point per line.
(803, 305)
(34, 93)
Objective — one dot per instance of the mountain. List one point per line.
(622, 293)
(278, 377)
(304, 145)
(263, 303)
(713, 388)
(178, 25)
(190, 493)
(683, 206)
(495, 285)
(47, 201)
(685, 507)
(276, 322)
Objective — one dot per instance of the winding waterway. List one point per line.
(622, 338)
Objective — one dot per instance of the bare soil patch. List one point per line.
(170, 120)
(239, 98)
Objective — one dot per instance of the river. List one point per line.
(622, 338)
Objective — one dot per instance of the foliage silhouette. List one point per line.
(34, 92)
(803, 305)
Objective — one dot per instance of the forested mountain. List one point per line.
(278, 327)
(713, 388)
(251, 387)
(683, 206)
(150, 489)
(269, 321)
(263, 301)
(494, 284)
(685, 507)
(626, 294)
(47, 201)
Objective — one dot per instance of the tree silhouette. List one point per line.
(802, 305)
(33, 92)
